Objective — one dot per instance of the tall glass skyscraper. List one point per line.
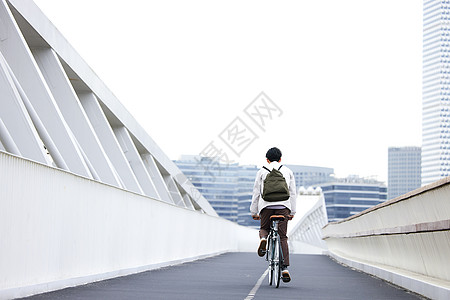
(435, 91)
(403, 170)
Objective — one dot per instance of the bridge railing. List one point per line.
(405, 240)
(59, 229)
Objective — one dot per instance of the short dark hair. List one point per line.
(273, 154)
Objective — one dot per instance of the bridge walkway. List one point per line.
(234, 276)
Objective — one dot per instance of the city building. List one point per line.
(246, 180)
(435, 91)
(348, 196)
(307, 176)
(404, 170)
(227, 187)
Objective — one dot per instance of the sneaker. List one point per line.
(262, 247)
(285, 276)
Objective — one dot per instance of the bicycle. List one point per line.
(274, 254)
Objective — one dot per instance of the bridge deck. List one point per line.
(233, 276)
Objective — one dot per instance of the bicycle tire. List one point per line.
(277, 262)
(270, 259)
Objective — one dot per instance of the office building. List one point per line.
(227, 187)
(348, 196)
(435, 91)
(307, 176)
(246, 180)
(404, 170)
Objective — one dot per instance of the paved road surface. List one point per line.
(233, 276)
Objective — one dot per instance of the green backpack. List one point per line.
(275, 186)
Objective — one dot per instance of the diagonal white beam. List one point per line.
(74, 114)
(6, 141)
(109, 142)
(16, 119)
(156, 177)
(135, 161)
(22, 63)
(187, 200)
(174, 191)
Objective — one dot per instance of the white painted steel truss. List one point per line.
(56, 111)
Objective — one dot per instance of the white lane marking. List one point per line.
(257, 285)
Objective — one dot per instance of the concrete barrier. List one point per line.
(405, 240)
(58, 229)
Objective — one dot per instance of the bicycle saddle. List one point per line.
(277, 218)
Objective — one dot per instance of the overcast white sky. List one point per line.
(345, 74)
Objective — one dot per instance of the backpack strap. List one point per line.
(264, 167)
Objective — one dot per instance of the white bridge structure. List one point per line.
(86, 194)
(305, 230)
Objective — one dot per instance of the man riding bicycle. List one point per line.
(285, 205)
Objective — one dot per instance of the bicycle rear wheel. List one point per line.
(270, 259)
(277, 262)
